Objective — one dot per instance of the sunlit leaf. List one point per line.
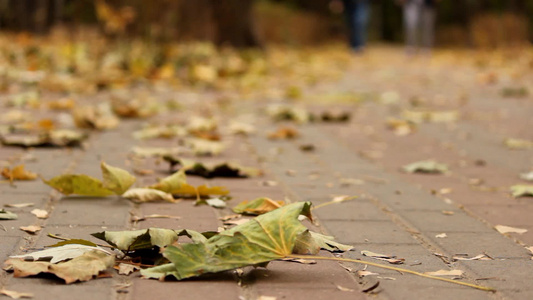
(257, 206)
(116, 179)
(74, 184)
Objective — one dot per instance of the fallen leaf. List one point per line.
(327, 243)
(153, 216)
(257, 206)
(283, 133)
(236, 222)
(126, 269)
(522, 190)
(61, 104)
(145, 238)
(267, 237)
(448, 212)
(171, 183)
(116, 179)
(223, 169)
(507, 229)
(241, 128)
(84, 185)
(445, 273)
(61, 253)
(18, 173)
(477, 257)
(40, 213)
(426, 166)
(343, 289)
(20, 205)
(155, 151)
(201, 147)
(527, 176)
(31, 229)
(141, 195)
(263, 297)
(518, 144)
(81, 268)
(441, 235)
(420, 116)
(401, 127)
(216, 202)
(288, 113)
(363, 273)
(94, 117)
(389, 258)
(7, 215)
(15, 295)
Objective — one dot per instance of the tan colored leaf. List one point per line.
(363, 273)
(148, 195)
(389, 258)
(126, 269)
(40, 213)
(507, 229)
(441, 235)
(527, 176)
(477, 257)
(344, 289)
(60, 253)
(81, 268)
(31, 229)
(446, 273)
(15, 294)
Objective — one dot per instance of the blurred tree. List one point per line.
(234, 23)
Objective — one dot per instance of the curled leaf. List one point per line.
(81, 268)
(18, 173)
(148, 195)
(115, 179)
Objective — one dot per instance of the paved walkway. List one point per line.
(395, 213)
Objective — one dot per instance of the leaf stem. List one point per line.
(479, 287)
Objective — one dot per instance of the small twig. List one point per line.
(479, 287)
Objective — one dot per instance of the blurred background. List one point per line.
(246, 23)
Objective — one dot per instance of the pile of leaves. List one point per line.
(275, 235)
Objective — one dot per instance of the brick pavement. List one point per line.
(395, 213)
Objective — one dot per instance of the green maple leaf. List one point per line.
(265, 238)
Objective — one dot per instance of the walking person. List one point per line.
(356, 12)
(419, 23)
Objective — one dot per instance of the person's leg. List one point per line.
(361, 21)
(349, 12)
(428, 26)
(411, 21)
